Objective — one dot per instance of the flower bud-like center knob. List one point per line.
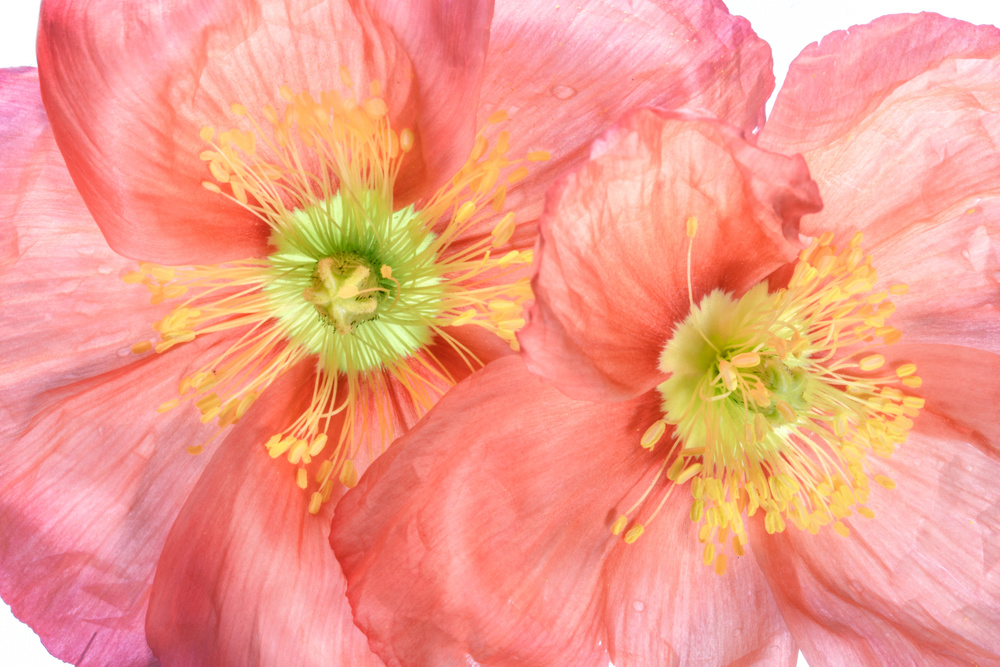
(345, 291)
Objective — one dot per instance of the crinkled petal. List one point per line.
(67, 316)
(129, 86)
(247, 575)
(919, 583)
(493, 514)
(611, 280)
(565, 73)
(967, 406)
(954, 286)
(90, 481)
(663, 606)
(908, 140)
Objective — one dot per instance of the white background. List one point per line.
(788, 26)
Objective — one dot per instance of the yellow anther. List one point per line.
(464, 318)
(517, 175)
(653, 434)
(166, 406)
(503, 231)
(345, 78)
(317, 444)
(406, 140)
(538, 156)
(688, 473)
(619, 525)
(348, 475)
(906, 370)
(464, 212)
(634, 533)
(315, 502)
(786, 411)
(746, 360)
(142, 347)
(708, 554)
(885, 482)
(302, 478)
(692, 226)
(871, 362)
(841, 529)
(497, 117)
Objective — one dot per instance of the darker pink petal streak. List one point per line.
(611, 276)
(129, 86)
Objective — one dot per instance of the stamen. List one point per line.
(353, 284)
(776, 399)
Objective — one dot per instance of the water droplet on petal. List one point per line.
(561, 92)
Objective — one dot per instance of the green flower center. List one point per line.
(369, 274)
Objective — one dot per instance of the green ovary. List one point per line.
(354, 282)
(729, 389)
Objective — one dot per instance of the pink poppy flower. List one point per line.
(119, 545)
(693, 460)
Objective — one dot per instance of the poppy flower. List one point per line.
(753, 413)
(319, 197)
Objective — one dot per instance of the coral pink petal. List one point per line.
(919, 583)
(610, 279)
(129, 86)
(493, 514)
(663, 606)
(446, 40)
(247, 575)
(961, 386)
(566, 72)
(91, 480)
(57, 273)
(953, 286)
(907, 139)
(91, 477)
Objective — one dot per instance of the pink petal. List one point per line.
(968, 407)
(951, 264)
(897, 121)
(919, 583)
(247, 575)
(67, 315)
(610, 278)
(663, 606)
(501, 536)
(90, 484)
(494, 512)
(566, 72)
(91, 480)
(129, 87)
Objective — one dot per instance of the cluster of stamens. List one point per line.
(777, 398)
(353, 282)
